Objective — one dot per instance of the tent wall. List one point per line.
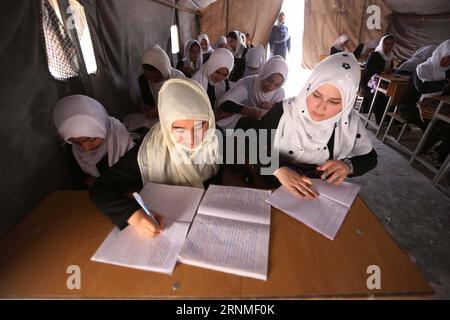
(32, 161)
(253, 16)
(324, 23)
(411, 22)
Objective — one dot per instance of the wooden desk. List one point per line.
(393, 86)
(66, 229)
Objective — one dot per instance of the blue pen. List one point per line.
(147, 211)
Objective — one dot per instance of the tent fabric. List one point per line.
(32, 161)
(324, 22)
(223, 16)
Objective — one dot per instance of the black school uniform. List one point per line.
(361, 164)
(111, 191)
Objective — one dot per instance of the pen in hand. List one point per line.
(139, 200)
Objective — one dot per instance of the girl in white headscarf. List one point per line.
(221, 43)
(254, 60)
(254, 96)
(213, 75)
(83, 122)
(320, 128)
(435, 68)
(205, 44)
(193, 58)
(380, 61)
(341, 44)
(419, 57)
(157, 70)
(182, 150)
(236, 45)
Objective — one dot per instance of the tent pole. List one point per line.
(176, 6)
(73, 34)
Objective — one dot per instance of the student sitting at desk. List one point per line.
(180, 150)
(419, 57)
(245, 104)
(380, 61)
(254, 60)
(156, 70)
(430, 79)
(97, 140)
(193, 58)
(320, 129)
(213, 75)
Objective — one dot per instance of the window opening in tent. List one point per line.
(60, 50)
(174, 39)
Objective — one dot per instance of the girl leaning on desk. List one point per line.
(320, 130)
(182, 149)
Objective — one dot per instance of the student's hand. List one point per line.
(336, 171)
(298, 185)
(89, 182)
(252, 113)
(144, 225)
(266, 105)
(223, 115)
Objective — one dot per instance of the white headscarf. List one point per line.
(240, 45)
(187, 60)
(79, 116)
(300, 139)
(158, 58)
(222, 40)
(420, 56)
(205, 36)
(431, 70)
(386, 57)
(371, 45)
(160, 158)
(248, 92)
(255, 60)
(220, 58)
(339, 43)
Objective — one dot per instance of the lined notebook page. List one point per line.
(236, 203)
(130, 249)
(226, 245)
(321, 214)
(174, 203)
(344, 194)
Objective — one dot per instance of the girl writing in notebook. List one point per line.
(319, 128)
(182, 149)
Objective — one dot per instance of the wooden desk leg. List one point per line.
(384, 116)
(441, 173)
(389, 125)
(372, 104)
(426, 134)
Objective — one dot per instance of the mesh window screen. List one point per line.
(59, 48)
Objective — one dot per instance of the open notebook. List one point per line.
(128, 248)
(324, 214)
(230, 232)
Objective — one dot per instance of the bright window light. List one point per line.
(175, 40)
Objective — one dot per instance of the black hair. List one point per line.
(232, 35)
(149, 67)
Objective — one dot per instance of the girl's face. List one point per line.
(194, 52)
(388, 45)
(324, 103)
(153, 75)
(189, 133)
(87, 143)
(204, 44)
(272, 82)
(219, 75)
(445, 62)
(231, 43)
